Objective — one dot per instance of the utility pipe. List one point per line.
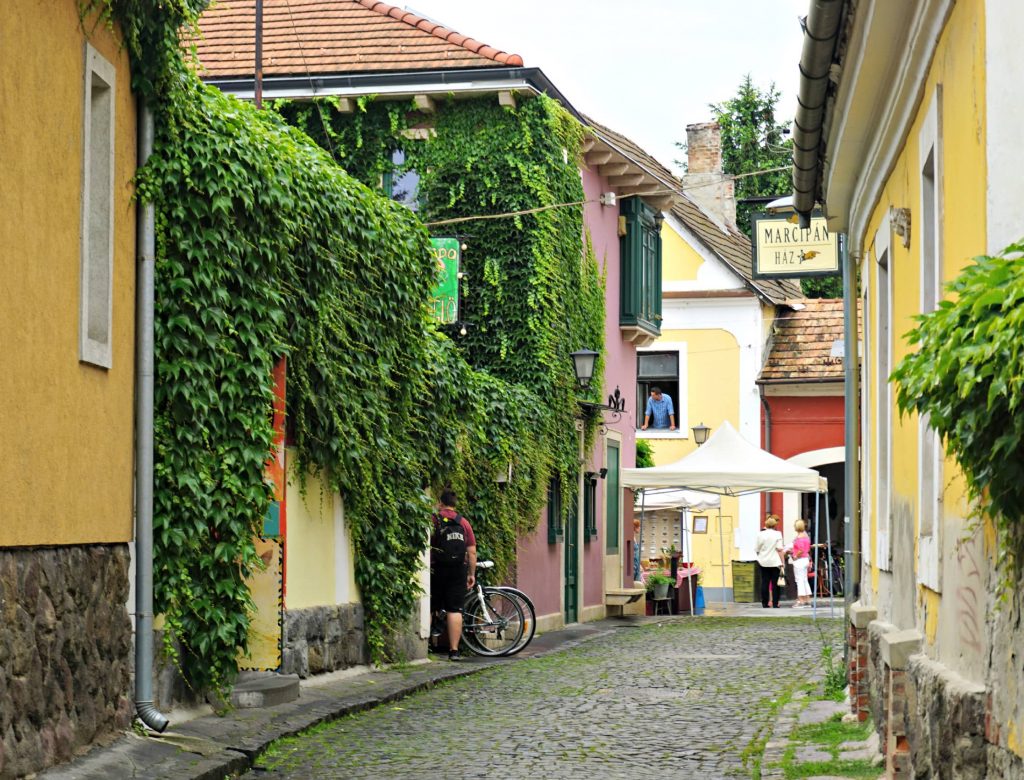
(144, 298)
(821, 33)
(851, 413)
(767, 437)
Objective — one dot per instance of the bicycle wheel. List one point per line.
(529, 617)
(492, 622)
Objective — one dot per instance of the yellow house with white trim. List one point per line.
(715, 328)
(919, 162)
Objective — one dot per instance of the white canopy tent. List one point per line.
(729, 465)
(726, 465)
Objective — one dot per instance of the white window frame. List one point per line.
(867, 477)
(930, 457)
(882, 316)
(96, 298)
(680, 404)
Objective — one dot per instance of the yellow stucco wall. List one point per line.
(679, 260)
(311, 547)
(67, 472)
(712, 390)
(959, 66)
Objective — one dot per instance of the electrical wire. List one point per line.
(668, 191)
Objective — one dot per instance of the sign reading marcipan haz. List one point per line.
(444, 299)
(782, 249)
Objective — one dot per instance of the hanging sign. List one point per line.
(782, 249)
(444, 299)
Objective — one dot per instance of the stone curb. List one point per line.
(224, 746)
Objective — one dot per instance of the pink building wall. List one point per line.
(540, 564)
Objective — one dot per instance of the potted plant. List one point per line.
(658, 585)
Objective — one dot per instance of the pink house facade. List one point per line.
(585, 572)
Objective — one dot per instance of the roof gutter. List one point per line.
(821, 35)
(398, 84)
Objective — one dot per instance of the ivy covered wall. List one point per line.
(266, 247)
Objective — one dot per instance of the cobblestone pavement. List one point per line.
(686, 699)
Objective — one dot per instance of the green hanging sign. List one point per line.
(445, 298)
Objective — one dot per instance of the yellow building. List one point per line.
(67, 312)
(919, 162)
(715, 327)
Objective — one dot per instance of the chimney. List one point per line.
(704, 182)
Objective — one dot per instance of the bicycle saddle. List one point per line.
(485, 564)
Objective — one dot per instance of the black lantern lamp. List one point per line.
(700, 433)
(583, 361)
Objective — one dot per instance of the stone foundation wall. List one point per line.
(65, 652)
(324, 639)
(945, 723)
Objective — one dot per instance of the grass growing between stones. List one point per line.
(828, 737)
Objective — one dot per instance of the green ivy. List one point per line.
(267, 248)
(478, 158)
(966, 376)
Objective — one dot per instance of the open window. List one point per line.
(661, 370)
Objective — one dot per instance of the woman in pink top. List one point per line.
(801, 554)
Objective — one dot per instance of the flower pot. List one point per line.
(661, 591)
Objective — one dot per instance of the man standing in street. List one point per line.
(659, 406)
(452, 567)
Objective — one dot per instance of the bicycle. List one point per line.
(493, 622)
(529, 616)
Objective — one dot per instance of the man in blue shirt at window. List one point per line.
(660, 407)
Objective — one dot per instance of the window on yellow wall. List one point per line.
(930, 465)
(661, 370)
(95, 343)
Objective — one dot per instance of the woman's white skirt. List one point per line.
(800, 574)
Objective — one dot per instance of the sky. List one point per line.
(644, 68)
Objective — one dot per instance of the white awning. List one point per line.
(728, 465)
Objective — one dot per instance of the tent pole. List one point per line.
(828, 560)
(643, 517)
(814, 590)
(721, 550)
(688, 542)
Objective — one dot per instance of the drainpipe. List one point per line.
(767, 433)
(851, 410)
(821, 34)
(144, 300)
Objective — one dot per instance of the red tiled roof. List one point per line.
(334, 36)
(801, 347)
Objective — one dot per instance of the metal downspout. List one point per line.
(821, 32)
(851, 413)
(767, 433)
(144, 300)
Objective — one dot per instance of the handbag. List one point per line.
(781, 582)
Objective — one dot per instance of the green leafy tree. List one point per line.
(754, 140)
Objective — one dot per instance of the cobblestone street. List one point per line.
(690, 698)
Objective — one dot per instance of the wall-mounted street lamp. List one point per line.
(700, 433)
(583, 361)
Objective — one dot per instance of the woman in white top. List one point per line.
(770, 558)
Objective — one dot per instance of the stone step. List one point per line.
(264, 689)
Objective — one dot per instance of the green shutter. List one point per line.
(640, 277)
(554, 510)
(613, 499)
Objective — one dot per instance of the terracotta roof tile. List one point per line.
(733, 247)
(334, 36)
(801, 347)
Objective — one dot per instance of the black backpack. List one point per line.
(449, 541)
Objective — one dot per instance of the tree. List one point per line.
(753, 140)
